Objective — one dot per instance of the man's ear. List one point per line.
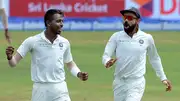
(138, 21)
(48, 23)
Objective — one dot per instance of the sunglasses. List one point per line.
(130, 18)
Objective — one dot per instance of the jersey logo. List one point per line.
(141, 41)
(60, 44)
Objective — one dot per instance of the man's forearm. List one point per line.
(14, 60)
(73, 68)
(4, 19)
(105, 59)
(157, 65)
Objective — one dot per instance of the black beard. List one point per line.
(130, 29)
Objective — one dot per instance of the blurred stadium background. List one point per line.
(88, 25)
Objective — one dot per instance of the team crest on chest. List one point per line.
(61, 46)
(141, 41)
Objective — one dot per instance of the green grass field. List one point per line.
(87, 49)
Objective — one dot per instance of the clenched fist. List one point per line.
(83, 76)
(9, 52)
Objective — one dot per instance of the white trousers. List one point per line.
(128, 89)
(50, 92)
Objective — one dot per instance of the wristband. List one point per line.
(75, 70)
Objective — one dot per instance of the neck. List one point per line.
(50, 35)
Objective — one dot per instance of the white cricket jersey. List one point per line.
(131, 54)
(47, 59)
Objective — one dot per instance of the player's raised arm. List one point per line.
(155, 61)
(12, 60)
(5, 24)
(109, 51)
(21, 52)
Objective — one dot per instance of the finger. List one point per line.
(108, 65)
(115, 60)
(9, 51)
(84, 79)
(168, 89)
(10, 47)
(111, 64)
(111, 60)
(84, 73)
(169, 86)
(167, 83)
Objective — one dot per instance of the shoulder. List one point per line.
(117, 34)
(63, 40)
(33, 38)
(147, 35)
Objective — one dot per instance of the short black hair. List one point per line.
(50, 13)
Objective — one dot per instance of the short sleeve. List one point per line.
(67, 55)
(25, 47)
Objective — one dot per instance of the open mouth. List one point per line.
(59, 30)
(126, 26)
